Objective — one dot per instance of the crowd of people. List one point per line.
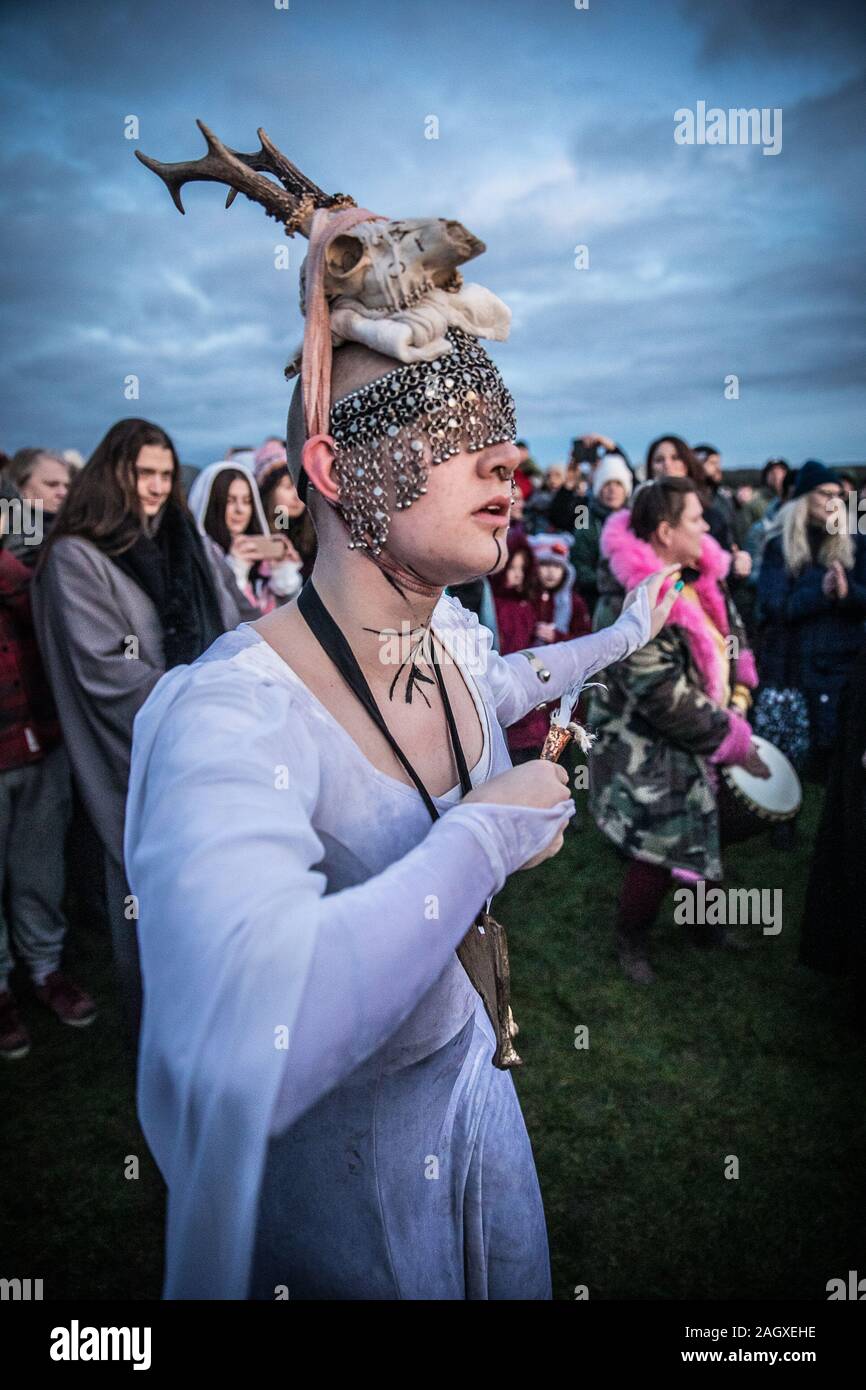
(788, 568)
(767, 638)
(112, 573)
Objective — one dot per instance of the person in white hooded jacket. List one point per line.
(226, 504)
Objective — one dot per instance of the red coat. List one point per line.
(523, 483)
(580, 623)
(28, 719)
(516, 619)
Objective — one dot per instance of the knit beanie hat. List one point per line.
(810, 476)
(550, 550)
(553, 550)
(269, 459)
(612, 469)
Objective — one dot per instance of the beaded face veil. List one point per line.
(395, 288)
(388, 432)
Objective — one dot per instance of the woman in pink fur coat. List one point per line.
(671, 713)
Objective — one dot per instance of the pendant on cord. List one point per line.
(483, 953)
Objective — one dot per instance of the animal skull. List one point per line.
(391, 265)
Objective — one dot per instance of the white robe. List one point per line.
(273, 863)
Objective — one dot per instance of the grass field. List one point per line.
(746, 1055)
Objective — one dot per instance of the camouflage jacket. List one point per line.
(652, 789)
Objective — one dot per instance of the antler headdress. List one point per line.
(395, 287)
(293, 204)
(391, 285)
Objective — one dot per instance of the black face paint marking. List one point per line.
(495, 565)
(419, 638)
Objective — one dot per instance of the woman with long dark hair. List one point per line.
(669, 456)
(124, 591)
(225, 501)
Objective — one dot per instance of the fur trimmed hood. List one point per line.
(630, 560)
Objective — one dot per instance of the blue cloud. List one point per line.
(555, 129)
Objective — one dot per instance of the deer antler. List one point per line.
(293, 204)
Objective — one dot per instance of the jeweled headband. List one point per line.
(422, 412)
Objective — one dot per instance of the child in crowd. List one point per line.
(285, 510)
(535, 603)
(562, 613)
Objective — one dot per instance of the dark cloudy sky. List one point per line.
(555, 129)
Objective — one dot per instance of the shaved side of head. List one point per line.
(353, 366)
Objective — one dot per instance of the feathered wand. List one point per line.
(564, 727)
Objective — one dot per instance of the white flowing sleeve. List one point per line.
(514, 680)
(261, 991)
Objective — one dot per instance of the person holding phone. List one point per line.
(586, 451)
(225, 501)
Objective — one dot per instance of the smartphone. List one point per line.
(583, 453)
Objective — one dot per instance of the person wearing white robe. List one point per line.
(315, 1078)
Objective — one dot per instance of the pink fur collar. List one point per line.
(632, 560)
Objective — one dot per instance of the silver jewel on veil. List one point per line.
(388, 431)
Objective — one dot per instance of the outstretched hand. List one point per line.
(658, 610)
